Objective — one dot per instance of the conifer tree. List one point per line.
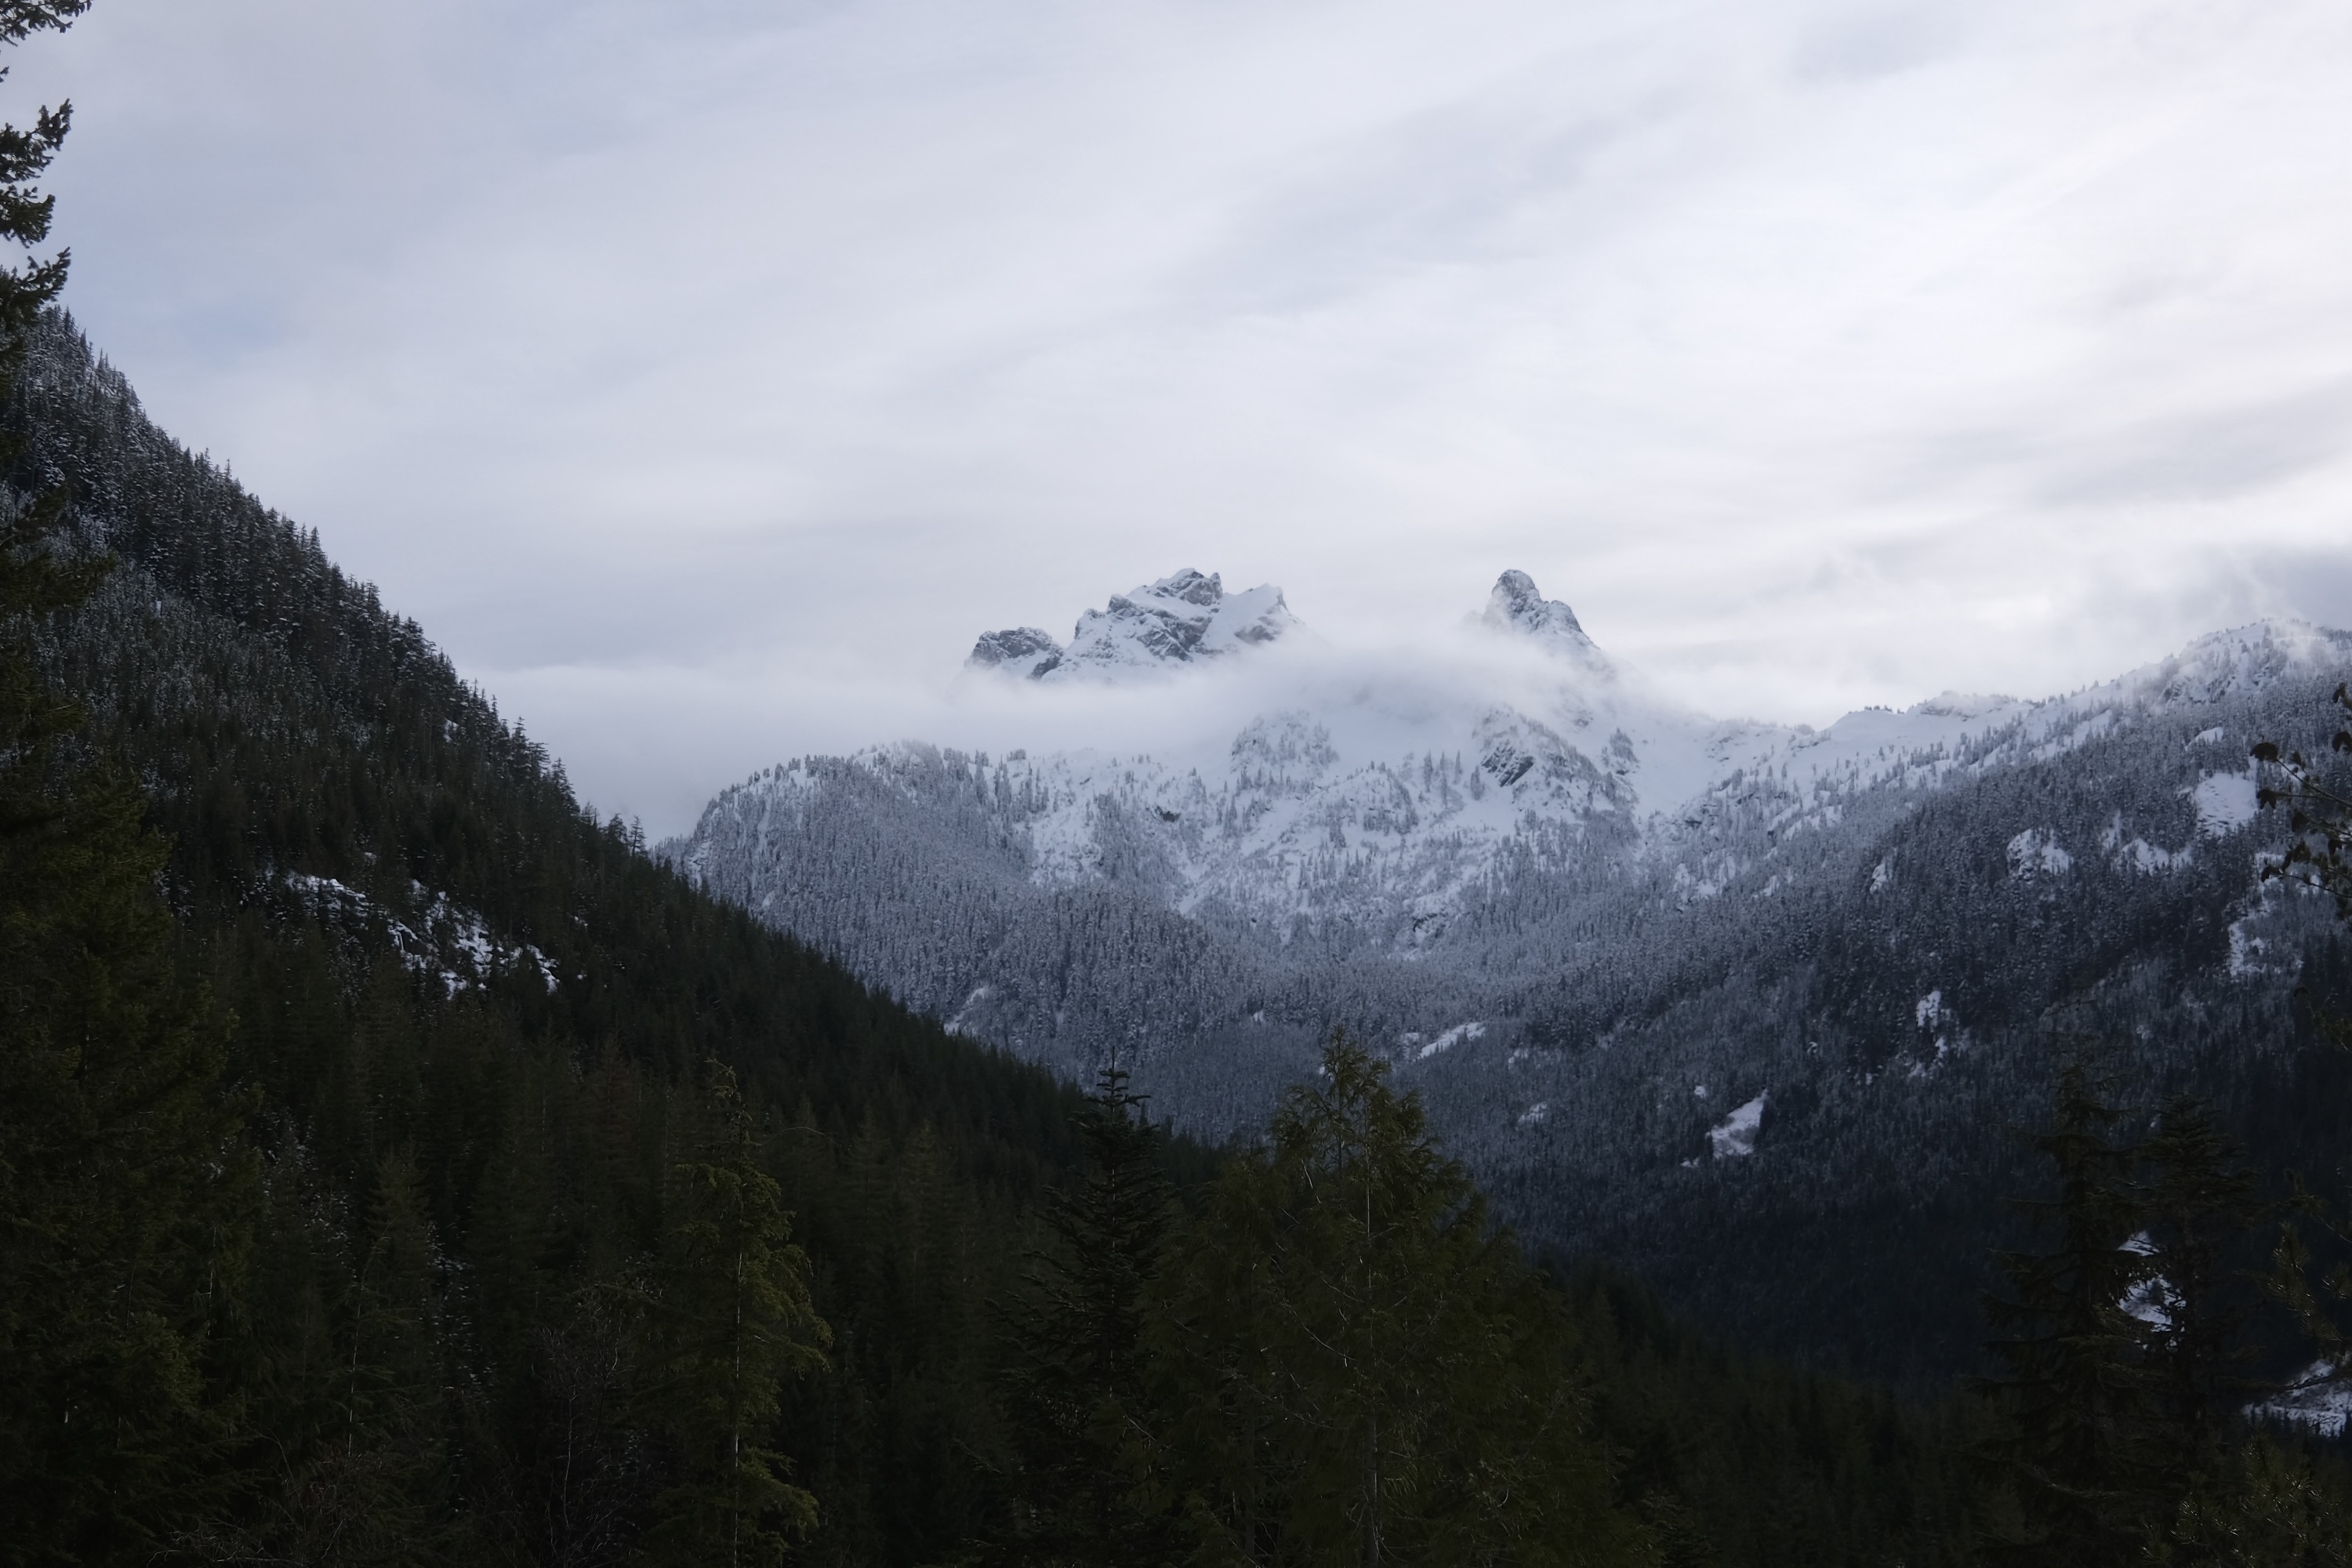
(2126, 1341)
(1360, 1369)
(1075, 1389)
(2198, 1202)
(2270, 1506)
(724, 1317)
(124, 1186)
(368, 1487)
(124, 1191)
(2072, 1462)
(2318, 858)
(395, 1395)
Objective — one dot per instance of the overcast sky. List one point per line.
(705, 374)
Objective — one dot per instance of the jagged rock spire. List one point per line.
(1517, 607)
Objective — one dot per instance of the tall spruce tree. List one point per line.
(2198, 1203)
(2126, 1341)
(1358, 1368)
(1075, 1391)
(124, 1188)
(725, 1317)
(2318, 856)
(2072, 1460)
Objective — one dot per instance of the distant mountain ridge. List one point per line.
(1389, 818)
(1368, 826)
(1551, 895)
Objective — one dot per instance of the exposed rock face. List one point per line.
(1516, 606)
(1178, 620)
(1025, 651)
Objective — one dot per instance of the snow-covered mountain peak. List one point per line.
(1178, 620)
(1517, 607)
(2223, 663)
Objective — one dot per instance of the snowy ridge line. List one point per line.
(1288, 826)
(2318, 1401)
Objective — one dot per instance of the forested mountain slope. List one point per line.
(1794, 1104)
(472, 1017)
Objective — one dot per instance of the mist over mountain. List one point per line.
(1710, 995)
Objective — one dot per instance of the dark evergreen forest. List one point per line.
(398, 1165)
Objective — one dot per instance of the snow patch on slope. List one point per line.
(1734, 1138)
(1450, 1038)
(2319, 1402)
(2036, 851)
(438, 937)
(2225, 803)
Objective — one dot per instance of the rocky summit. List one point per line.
(1515, 605)
(1178, 620)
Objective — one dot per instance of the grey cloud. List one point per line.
(1878, 41)
(1439, 188)
(662, 357)
(2255, 577)
(707, 597)
(2084, 456)
(2220, 454)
